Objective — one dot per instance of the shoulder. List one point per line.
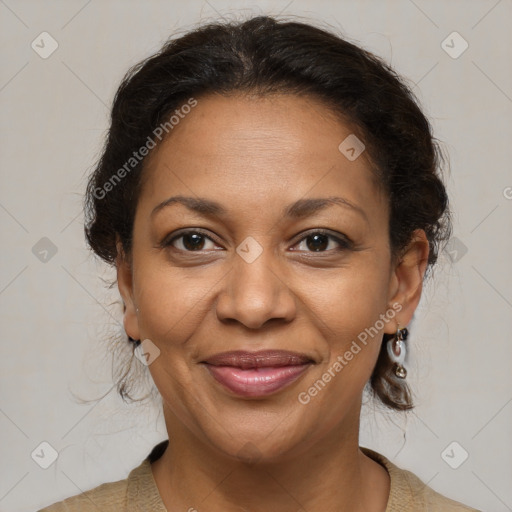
(137, 492)
(409, 493)
(106, 497)
(124, 495)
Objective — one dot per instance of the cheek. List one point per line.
(172, 301)
(351, 301)
(352, 311)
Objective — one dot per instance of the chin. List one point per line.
(259, 441)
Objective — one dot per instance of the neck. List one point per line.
(333, 474)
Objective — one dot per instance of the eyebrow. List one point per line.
(298, 209)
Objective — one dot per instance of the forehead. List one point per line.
(262, 151)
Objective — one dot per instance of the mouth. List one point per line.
(257, 374)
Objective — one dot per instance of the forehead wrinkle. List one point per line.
(298, 209)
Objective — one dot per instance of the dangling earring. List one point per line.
(135, 342)
(396, 351)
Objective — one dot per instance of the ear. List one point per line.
(125, 285)
(406, 283)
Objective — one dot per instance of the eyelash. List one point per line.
(344, 242)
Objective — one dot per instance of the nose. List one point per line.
(254, 293)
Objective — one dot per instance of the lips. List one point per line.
(257, 374)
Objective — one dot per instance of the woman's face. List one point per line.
(293, 256)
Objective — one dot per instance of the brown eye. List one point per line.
(190, 241)
(193, 241)
(319, 241)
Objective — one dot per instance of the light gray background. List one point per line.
(56, 314)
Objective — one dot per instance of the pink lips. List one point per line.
(254, 374)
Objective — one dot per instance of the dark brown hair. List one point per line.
(263, 55)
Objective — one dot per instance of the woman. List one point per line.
(269, 194)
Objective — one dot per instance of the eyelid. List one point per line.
(343, 241)
(168, 240)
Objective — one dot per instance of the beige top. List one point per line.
(139, 492)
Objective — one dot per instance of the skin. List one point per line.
(256, 156)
